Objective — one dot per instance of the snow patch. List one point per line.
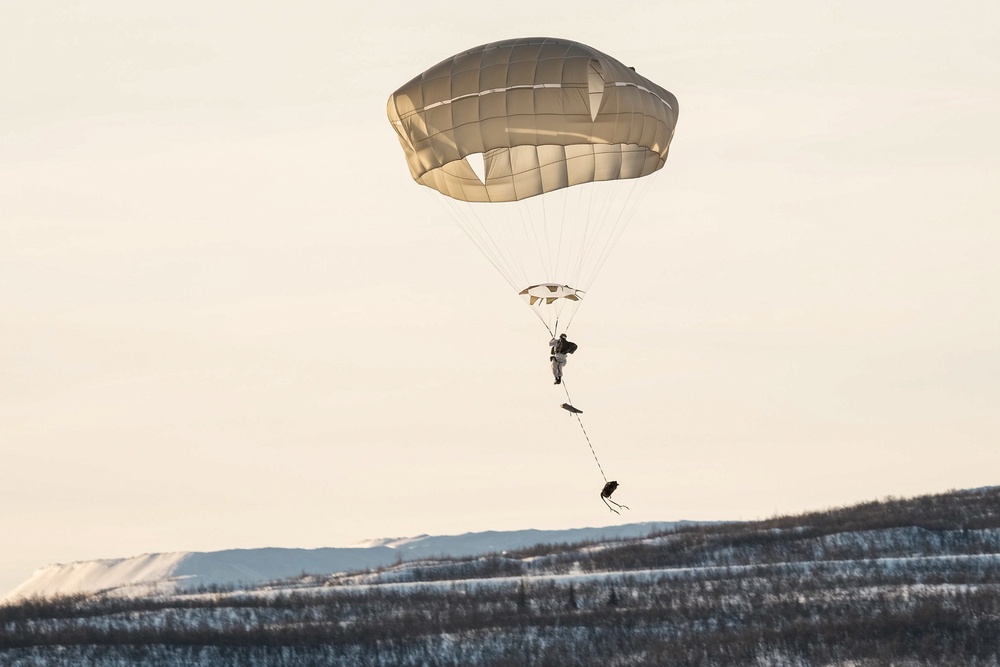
(185, 570)
(97, 575)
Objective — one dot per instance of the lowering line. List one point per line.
(580, 421)
(609, 487)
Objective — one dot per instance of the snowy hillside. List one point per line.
(179, 571)
(907, 582)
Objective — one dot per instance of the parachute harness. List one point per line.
(609, 487)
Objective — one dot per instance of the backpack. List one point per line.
(568, 347)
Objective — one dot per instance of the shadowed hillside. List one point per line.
(898, 581)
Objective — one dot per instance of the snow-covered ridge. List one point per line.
(185, 570)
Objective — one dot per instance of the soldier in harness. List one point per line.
(560, 347)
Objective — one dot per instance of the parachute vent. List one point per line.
(478, 164)
(595, 81)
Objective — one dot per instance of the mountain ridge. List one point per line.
(178, 571)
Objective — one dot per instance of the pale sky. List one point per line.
(230, 319)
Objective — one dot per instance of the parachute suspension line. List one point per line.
(531, 229)
(534, 215)
(590, 197)
(550, 264)
(617, 228)
(641, 185)
(479, 236)
(606, 220)
(583, 211)
(465, 225)
(540, 316)
(594, 209)
(564, 199)
(587, 437)
(515, 270)
(565, 236)
(548, 221)
(572, 314)
(601, 200)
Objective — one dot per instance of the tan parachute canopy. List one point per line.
(540, 146)
(537, 114)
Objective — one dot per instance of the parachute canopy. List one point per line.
(542, 114)
(506, 131)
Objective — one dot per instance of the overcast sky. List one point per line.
(229, 318)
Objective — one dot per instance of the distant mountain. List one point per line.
(182, 571)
